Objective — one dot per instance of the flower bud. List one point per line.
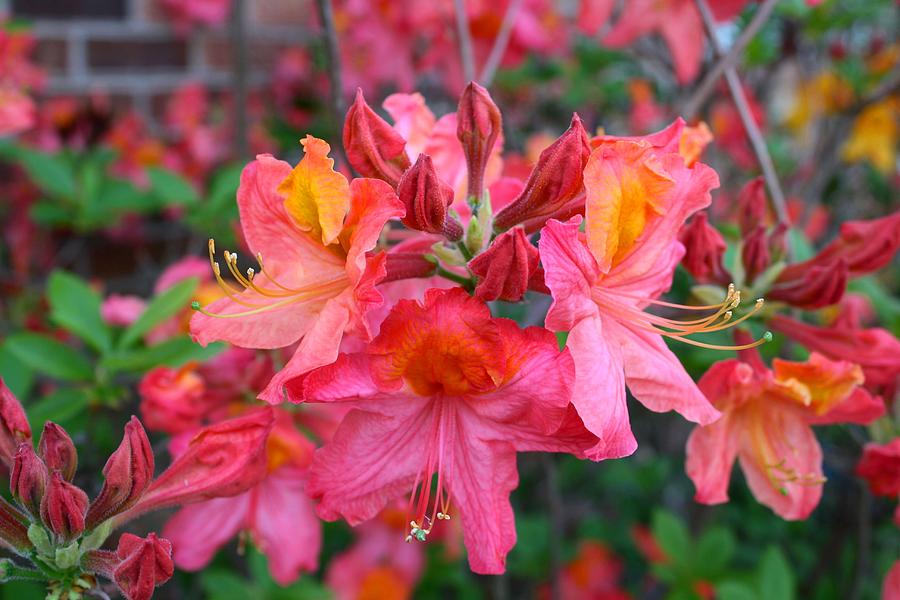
(144, 564)
(58, 451)
(778, 243)
(63, 508)
(755, 253)
(127, 473)
(555, 188)
(505, 269)
(752, 205)
(407, 265)
(223, 459)
(817, 287)
(14, 428)
(373, 148)
(866, 246)
(172, 399)
(478, 126)
(703, 250)
(28, 480)
(427, 198)
(13, 533)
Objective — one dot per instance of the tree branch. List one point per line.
(465, 40)
(707, 85)
(743, 107)
(500, 43)
(335, 74)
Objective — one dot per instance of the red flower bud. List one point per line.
(407, 265)
(817, 287)
(127, 473)
(427, 198)
(778, 244)
(58, 451)
(14, 428)
(28, 480)
(478, 126)
(865, 246)
(555, 188)
(373, 148)
(703, 250)
(145, 564)
(13, 533)
(63, 508)
(752, 205)
(755, 253)
(506, 268)
(172, 400)
(880, 467)
(223, 459)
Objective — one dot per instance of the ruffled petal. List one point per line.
(599, 392)
(199, 530)
(569, 272)
(711, 451)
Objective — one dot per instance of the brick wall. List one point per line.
(126, 48)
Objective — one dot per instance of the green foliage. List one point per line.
(49, 356)
(164, 306)
(76, 307)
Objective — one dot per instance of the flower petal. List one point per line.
(198, 531)
(569, 272)
(711, 451)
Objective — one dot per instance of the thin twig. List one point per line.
(465, 40)
(708, 84)
(335, 74)
(239, 41)
(500, 43)
(743, 107)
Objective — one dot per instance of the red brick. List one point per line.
(52, 55)
(70, 9)
(279, 12)
(262, 54)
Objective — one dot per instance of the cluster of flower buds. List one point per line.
(59, 531)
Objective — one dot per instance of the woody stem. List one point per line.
(464, 39)
(707, 85)
(335, 77)
(500, 43)
(743, 107)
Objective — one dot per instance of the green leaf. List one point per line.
(76, 307)
(51, 172)
(733, 590)
(171, 187)
(171, 353)
(17, 376)
(714, 550)
(222, 585)
(60, 407)
(672, 536)
(162, 307)
(48, 356)
(776, 580)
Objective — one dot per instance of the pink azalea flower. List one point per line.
(277, 513)
(311, 231)
(766, 425)
(880, 467)
(444, 390)
(601, 280)
(17, 111)
(891, 587)
(121, 310)
(379, 564)
(678, 22)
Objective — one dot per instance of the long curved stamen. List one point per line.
(720, 320)
(425, 511)
(284, 298)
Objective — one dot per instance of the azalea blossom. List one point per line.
(447, 392)
(766, 424)
(310, 231)
(639, 193)
(880, 467)
(277, 512)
